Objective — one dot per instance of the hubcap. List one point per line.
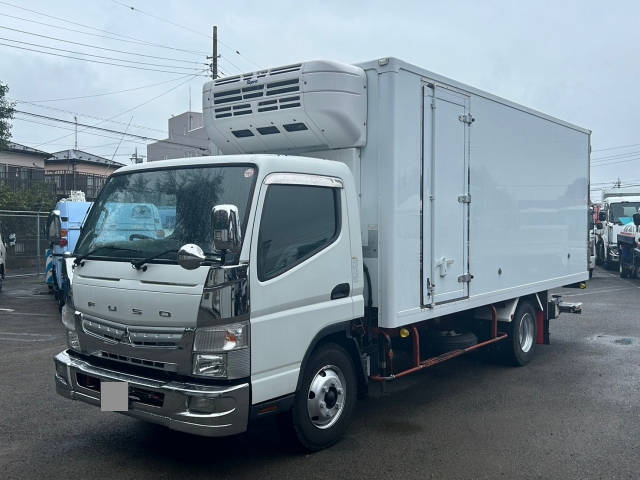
(326, 396)
(525, 333)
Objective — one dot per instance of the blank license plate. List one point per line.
(114, 396)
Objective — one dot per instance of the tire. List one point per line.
(519, 347)
(590, 273)
(323, 406)
(447, 340)
(623, 271)
(599, 254)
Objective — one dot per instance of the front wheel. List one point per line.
(523, 332)
(623, 271)
(324, 404)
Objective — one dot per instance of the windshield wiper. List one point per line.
(80, 258)
(138, 264)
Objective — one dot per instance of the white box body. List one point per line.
(466, 199)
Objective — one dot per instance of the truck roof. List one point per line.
(629, 198)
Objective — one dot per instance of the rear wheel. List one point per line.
(324, 404)
(623, 271)
(523, 332)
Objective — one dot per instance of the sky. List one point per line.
(575, 60)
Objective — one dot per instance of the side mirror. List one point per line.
(602, 216)
(55, 227)
(12, 239)
(226, 228)
(190, 256)
(636, 219)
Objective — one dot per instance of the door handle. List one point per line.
(340, 291)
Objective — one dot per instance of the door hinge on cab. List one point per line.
(468, 119)
(466, 198)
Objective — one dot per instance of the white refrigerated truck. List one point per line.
(366, 221)
(618, 207)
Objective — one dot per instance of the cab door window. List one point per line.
(298, 221)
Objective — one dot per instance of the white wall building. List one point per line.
(187, 138)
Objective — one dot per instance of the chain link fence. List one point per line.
(27, 256)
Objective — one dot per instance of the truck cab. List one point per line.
(616, 212)
(286, 244)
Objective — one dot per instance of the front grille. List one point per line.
(168, 367)
(136, 394)
(135, 336)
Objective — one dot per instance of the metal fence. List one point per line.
(58, 182)
(27, 256)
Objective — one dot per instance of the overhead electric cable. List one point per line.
(107, 130)
(137, 62)
(191, 77)
(93, 61)
(98, 29)
(109, 93)
(103, 48)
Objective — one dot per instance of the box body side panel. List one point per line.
(528, 213)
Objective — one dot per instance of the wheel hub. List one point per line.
(525, 332)
(325, 399)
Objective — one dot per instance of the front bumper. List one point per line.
(158, 401)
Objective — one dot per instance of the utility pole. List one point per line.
(214, 54)
(75, 119)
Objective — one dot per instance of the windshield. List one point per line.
(145, 213)
(622, 213)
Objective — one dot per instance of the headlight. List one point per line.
(210, 365)
(222, 351)
(222, 339)
(68, 316)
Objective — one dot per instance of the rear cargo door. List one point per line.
(445, 199)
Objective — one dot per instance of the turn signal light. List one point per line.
(404, 333)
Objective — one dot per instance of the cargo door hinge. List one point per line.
(468, 119)
(466, 198)
(466, 278)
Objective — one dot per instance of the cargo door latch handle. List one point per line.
(443, 265)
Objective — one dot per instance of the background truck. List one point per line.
(401, 229)
(629, 248)
(618, 207)
(63, 230)
(6, 240)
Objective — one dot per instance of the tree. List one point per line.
(6, 114)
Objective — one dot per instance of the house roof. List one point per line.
(80, 156)
(18, 148)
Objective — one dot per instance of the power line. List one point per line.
(102, 48)
(72, 129)
(93, 61)
(191, 77)
(617, 147)
(128, 37)
(134, 9)
(108, 130)
(618, 155)
(107, 93)
(188, 29)
(137, 62)
(88, 116)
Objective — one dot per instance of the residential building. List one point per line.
(187, 138)
(77, 170)
(21, 166)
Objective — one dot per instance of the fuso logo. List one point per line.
(251, 81)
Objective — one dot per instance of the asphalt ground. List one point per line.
(574, 412)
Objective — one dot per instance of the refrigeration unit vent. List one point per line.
(303, 106)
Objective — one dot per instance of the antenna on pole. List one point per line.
(75, 119)
(214, 54)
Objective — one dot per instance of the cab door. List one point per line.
(446, 199)
(300, 274)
